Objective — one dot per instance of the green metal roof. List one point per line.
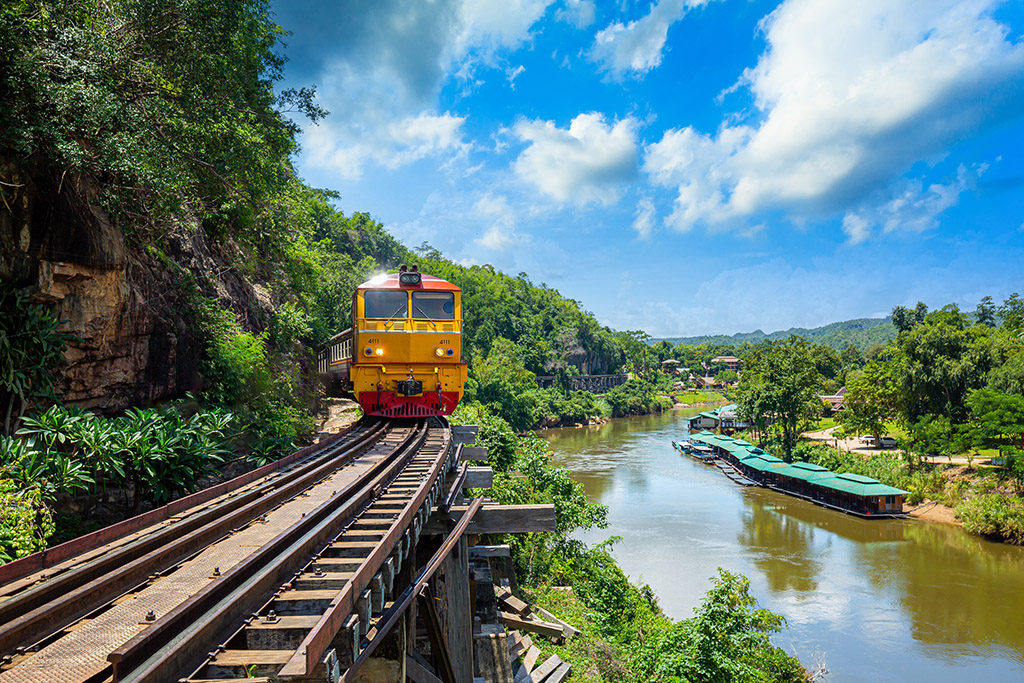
(768, 457)
(804, 471)
(743, 442)
(859, 478)
(758, 464)
(713, 416)
(849, 483)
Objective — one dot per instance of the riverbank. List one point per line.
(933, 511)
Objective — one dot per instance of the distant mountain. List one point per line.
(861, 332)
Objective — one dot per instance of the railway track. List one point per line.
(258, 582)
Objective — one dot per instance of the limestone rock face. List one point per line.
(134, 345)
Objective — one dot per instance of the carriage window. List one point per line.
(433, 305)
(386, 304)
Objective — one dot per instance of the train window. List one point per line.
(386, 304)
(433, 305)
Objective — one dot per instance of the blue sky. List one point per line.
(683, 166)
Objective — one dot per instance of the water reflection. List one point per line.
(783, 547)
(882, 599)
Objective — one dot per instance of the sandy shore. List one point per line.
(933, 512)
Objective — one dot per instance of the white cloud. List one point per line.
(513, 74)
(579, 13)
(587, 162)
(636, 48)
(911, 207)
(848, 96)
(488, 26)
(391, 144)
(645, 215)
(501, 234)
(381, 82)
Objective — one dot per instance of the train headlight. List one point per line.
(409, 278)
(368, 351)
(439, 352)
(451, 352)
(380, 352)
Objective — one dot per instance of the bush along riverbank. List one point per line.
(624, 634)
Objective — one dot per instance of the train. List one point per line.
(402, 356)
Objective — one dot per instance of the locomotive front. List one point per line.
(407, 345)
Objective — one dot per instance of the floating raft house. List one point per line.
(852, 493)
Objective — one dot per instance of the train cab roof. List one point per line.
(392, 281)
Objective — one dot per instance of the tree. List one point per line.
(506, 386)
(852, 357)
(727, 376)
(780, 387)
(985, 313)
(634, 344)
(1012, 313)
(944, 359)
(872, 398)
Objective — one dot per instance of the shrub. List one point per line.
(995, 516)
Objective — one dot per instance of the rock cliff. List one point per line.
(123, 302)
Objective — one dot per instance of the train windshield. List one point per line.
(433, 305)
(386, 304)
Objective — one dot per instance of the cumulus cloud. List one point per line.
(589, 161)
(391, 144)
(500, 234)
(635, 48)
(488, 26)
(910, 207)
(381, 78)
(644, 221)
(847, 97)
(579, 13)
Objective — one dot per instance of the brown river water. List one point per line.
(895, 600)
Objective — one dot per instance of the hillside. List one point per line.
(148, 201)
(861, 332)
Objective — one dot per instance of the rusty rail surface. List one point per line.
(360, 533)
(44, 559)
(51, 605)
(390, 618)
(222, 612)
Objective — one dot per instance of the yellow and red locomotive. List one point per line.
(402, 357)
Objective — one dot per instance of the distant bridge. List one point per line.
(595, 384)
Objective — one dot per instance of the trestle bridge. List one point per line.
(595, 384)
(348, 560)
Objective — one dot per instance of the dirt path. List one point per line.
(339, 413)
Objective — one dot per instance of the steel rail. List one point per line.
(316, 643)
(160, 654)
(391, 616)
(27, 617)
(56, 557)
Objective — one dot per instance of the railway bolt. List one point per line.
(216, 571)
(319, 572)
(150, 615)
(271, 617)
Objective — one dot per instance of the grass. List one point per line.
(698, 397)
(593, 659)
(823, 423)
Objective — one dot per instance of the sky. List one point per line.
(683, 167)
